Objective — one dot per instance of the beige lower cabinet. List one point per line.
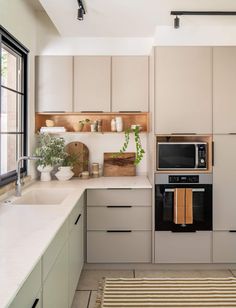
(30, 294)
(224, 247)
(123, 246)
(76, 253)
(119, 226)
(184, 247)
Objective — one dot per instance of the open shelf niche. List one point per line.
(69, 120)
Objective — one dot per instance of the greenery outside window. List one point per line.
(13, 105)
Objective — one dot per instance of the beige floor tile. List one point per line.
(93, 298)
(89, 278)
(233, 272)
(183, 274)
(81, 299)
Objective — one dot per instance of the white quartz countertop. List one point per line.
(27, 230)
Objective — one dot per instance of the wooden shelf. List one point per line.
(68, 120)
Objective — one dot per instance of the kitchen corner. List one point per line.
(31, 228)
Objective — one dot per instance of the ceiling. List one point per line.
(131, 18)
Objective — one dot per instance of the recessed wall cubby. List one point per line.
(188, 138)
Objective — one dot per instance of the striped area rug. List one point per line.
(167, 292)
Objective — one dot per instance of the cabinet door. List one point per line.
(29, 295)
(55, 288)
(183, 90)
(54, 83)
(224, 90)
(76, 254)
(224, 247)
(92, 83)
(130, 83)
(224, 209)
(183, 247)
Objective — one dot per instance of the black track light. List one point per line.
(80, 15)
(176, 22)
(81, 10)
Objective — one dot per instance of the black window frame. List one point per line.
(9, 40)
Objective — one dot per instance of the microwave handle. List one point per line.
(196, 156)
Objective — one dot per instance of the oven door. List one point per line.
(183, 208)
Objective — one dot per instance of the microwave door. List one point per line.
(176, 156)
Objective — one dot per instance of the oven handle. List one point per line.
(193, 190)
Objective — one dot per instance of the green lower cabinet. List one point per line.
(55, 287)
(29, 295)
(76, 255)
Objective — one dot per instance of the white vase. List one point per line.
(119, 124)
(45, 175)
(64, 173)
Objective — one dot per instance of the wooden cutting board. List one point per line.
(122, 165)
(82, 152)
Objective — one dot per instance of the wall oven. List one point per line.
(183, 203)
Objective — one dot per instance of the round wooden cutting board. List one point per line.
(82, 152)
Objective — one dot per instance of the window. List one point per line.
(13, 105)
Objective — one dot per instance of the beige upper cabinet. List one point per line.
(92, 83)
(183, 90)
(224, 208)
(130, 83)
(224, 89)
(54, 83)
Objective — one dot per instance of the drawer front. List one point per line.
(29, 293)
(118, 247)
(185, 247)
(110, 218)
(54, 248)
(224, 247)
(106, 197)
(77, 210)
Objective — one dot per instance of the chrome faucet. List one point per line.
(18, 180)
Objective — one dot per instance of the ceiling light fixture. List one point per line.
(81, 10)
(208, 13)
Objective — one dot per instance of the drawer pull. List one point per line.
(121, 231)
(35, 303)
(119, 206)
(77, 220)
(127, 188)
(232, 231)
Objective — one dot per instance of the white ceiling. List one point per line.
(131, 18)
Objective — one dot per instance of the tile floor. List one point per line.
(85, 296)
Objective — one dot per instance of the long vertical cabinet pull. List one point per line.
(35, 303)
(77, 220)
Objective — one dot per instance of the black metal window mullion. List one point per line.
(20, 100)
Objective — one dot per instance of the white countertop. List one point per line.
(27, 230)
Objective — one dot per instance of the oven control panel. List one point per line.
(183, 179)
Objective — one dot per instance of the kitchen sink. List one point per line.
(42, 196)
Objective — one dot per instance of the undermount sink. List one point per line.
(42, 196)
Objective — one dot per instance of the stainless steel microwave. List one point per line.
(181, 155)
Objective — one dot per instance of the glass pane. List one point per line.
(8, 153)
(11, 69)
(11, 111)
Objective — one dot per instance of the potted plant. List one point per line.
(65, 172)
(139, 149)
(78, 127)
(51, 152)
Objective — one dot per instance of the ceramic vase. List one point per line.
(45, 175)
(64, 173)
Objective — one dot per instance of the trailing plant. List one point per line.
(85, 121)
(139, 149)
(51, 150)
